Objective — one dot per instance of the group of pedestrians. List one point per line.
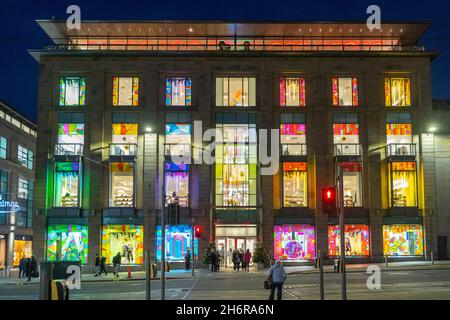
(100, 265)
(28, 268)
(215, 259)
(241, 260)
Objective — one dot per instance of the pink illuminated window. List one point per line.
(292, 92)
(345, 91)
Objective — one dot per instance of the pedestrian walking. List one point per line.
(247, 259)
(32, 268)
(213, 260)
(278, 275)
(117, 260)
(97, 265)
(22, 267)
(187, 259)
(236, 260)
(241, 259)
(219, 260)
(103, 266)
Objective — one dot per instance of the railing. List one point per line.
(294, 150)
(177, 150)
(181, 201)
(123, 149)
(69, 149)
(401, 149)
(347, 149)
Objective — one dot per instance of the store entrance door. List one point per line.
(228, 244)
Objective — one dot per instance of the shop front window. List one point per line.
(125, 91)
(293, 139)
(403, 184)
(178, 241)
(345, 92)
(397, 92)
(122, 184)
(295, 184)
(67, 184)
(124, 139)
(128, 240)
(67, 243)
(292, 92)
(294, 242)
(72, 91)
(403, 240)
(178, 92)
(356, 240)
(235, 92)
(22, 249)
(352, 179)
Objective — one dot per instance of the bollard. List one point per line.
(148, 275)
(386, 260)
(432, 257)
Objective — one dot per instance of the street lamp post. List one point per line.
(342, 231)
(163, 244)
(193, 246)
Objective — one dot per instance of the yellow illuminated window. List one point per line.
(294, 184)
(125, 91)
(397, 92)
(403, 184)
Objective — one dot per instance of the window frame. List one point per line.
(81, 93)
(29, 159)
(3, 147)
(391, 184)
(250, 95)
(111, 197)
(301, 88)
(169, 93)
(388, 92)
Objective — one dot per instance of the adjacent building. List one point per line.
(17, 149)
(120, 101)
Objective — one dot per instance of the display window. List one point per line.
(399, 133)
(22, 249)
(403, 240)
(352, 179)
(294, 242)
(357, 242)
(178, 240)
(67, 184)
(295, 184)
(177, 183)
(67, 243)
(178, 92)
(122, 184)
(293, 138)
(345, 133)
(345, 91)
(124, 138)
(403, 177)
(178, 139)
(72, 91)
(125, 91)
(397, 92)
(236, 92)
(128, 240)
(292, 92)
(70, 137)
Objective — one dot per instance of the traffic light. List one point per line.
(329, 200)
(198, 231)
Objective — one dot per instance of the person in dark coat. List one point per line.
(117, 260)
(32, 268)
(97, 265)
(241, 259)
(22, 267)
(236, 260)
(213, 259)
(187, 259)
(103, 266)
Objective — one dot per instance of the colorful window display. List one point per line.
(403, 184)
(177, 183)
(72, 91)
(236, 92)
(345, 133)
(295, 186)
(22, 249)
(178, 92)
(403, 240)
(236, 165)
(178, 139)
(356, 240)
(292, 92)
(122, 184)
(352, 183)
(178, 241)
(294, 242)
(125, 91)
(128, 240)
(70, 137)
(345, 91)
(293, 139)
(67, 184)
(399, 133)
(67, 243)
(397, 92)
(124, 138)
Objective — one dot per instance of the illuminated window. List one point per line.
(22, 249)
(25, 198)
(292, 92)
(177, 183)
(178, 241)
(356, 240)
(128, 240)
(294, 242)
(397, 92)
(70, 137)
(72, 91)
(403, 184)
(178, 139)
(122, 184)
(25, 157)
(67, 184)
(125, 91)
(345, 91)
(67, 243)
(295, 184)
(293, 134)
(352, 183)
(3, 147)
(403, 240)
(124, 139)
(236, 92)
(178, 92)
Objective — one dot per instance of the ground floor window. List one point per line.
(67, 184)
(403, 240)
(122, 184)
(2, 251)
(357, 242)
(295, 184)
(294, 242)
(22, 249)
(403, 184)
(178, 241)
(67, 243)
(128, 240)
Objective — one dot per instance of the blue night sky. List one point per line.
(19, 32)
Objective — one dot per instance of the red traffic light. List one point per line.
(329, 199)
(198, 231)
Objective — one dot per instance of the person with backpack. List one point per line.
(117, 260)
(103, 266)
(277, 277)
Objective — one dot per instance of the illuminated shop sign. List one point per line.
(8, 206)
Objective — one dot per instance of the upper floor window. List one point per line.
(25, 157)
(72, 91)
(3, 192)
(236, 92)
(293, 134)
(397, 92)
(67, 184)
(178, 92)
(25, 198)
(292, 92)
(295, 184)
(125, 91)
(122, 184)
(124, 139)
(3, 147)
(345, 91)
(403, 184)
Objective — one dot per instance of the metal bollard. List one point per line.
(386, 260)
(432, 257)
